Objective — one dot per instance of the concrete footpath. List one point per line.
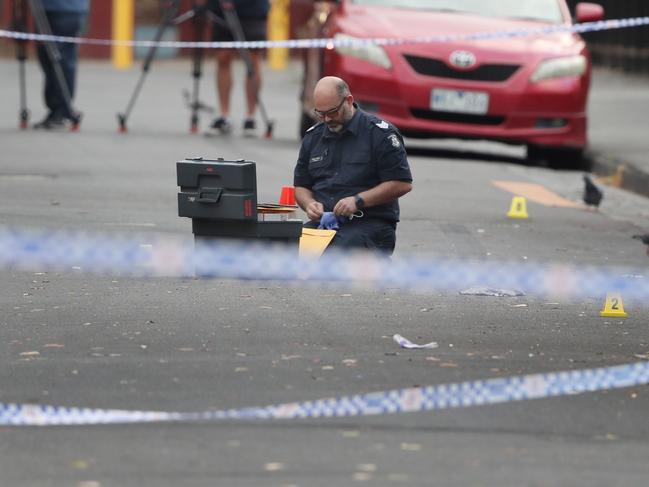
(619, 129)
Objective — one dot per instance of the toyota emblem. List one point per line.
(462, 59)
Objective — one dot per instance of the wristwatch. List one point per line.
(360, 202)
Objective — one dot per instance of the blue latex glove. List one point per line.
(329, 221)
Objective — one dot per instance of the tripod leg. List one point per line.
(168, 19)
(43, 26)
(234, 25)
(19, 24)
(199, 33)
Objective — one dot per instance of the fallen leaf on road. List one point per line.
(487, 291)
(32, 353)
(410, 446)
(405, 343)
(290, 357)
(362, 476)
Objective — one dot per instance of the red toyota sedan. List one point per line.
(527, 89)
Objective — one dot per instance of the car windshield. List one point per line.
(537, 10)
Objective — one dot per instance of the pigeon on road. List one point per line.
(592, 194)
(643, 238)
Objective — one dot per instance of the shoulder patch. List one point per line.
(394, 140)
(383, 125)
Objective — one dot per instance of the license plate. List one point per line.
(459, 101)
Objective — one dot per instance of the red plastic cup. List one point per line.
(288, 196)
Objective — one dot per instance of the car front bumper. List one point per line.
(549, 113)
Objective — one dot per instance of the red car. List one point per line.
(528, 89)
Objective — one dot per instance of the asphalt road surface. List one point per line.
(69, 338)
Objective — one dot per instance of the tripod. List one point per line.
(19, 23)
(198, 14)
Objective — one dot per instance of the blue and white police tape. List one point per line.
(343, 41)
(152, 256)
(410, 400)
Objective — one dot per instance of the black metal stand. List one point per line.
(199, 14)
(197, 55)
(19, 24)
(169, 19)
(43, 27)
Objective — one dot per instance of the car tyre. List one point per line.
(558, 157)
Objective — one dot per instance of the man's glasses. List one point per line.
(329, 113)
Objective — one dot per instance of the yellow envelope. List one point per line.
(313, 242)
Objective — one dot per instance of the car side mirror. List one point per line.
(589, 12)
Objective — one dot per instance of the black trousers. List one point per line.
(363, 233)
(62, 24)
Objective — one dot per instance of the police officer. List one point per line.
(354, 165)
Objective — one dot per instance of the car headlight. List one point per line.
(560, 68)
(368, 52)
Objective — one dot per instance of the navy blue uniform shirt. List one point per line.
(367, 152)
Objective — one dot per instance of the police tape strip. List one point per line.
(410, 400)
(342, 42)
(153, 255)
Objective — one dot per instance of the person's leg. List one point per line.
(50, 87)
(370, 234)
(253, 30)
(69, 25)
(224, 79)
(253, 84)
(64, 24)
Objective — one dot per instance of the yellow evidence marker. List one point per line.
(613, 307)
(518, 208)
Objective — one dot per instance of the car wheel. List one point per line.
(306, 123)
(558, 158)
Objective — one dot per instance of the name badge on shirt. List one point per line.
(318, 158)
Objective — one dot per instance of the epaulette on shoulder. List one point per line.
(312, 127)
(383, 125)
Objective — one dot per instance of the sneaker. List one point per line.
(249, 127)
(221, 125)
(51, 123)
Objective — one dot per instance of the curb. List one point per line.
(619, 173)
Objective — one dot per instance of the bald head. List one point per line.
(331, 86)
(332, 97)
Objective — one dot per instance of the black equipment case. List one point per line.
(221, 199)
